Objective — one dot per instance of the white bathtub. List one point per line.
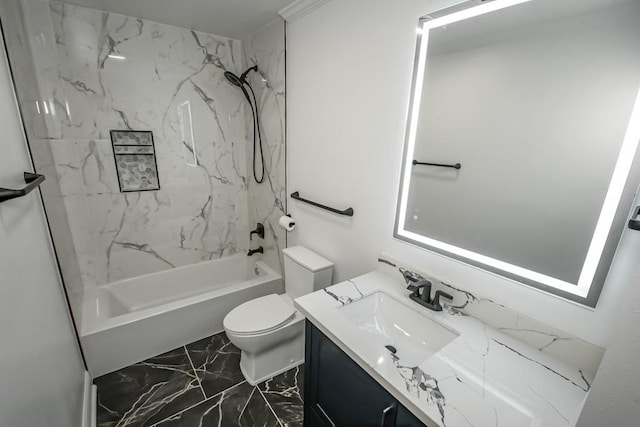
(134, 319)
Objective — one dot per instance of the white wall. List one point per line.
(28, 55)
(349, 67)
(615, 397)
(41, 369)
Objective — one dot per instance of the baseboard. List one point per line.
(89, 402)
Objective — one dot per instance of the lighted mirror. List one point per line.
(521, 139)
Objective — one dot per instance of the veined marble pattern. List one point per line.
(197, 385)
(284, 394)
(241, 406)
(582, 355)
(147, 392)
(118, 72)
(482, 378)
(267, 201)
(216, 362)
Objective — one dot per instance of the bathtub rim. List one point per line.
(96, 326)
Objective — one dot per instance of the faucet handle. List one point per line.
(435, 304)
(417, 284)
(421, 290)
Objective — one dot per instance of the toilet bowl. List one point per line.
(268, 330)
(269, 347)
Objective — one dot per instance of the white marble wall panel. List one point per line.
(267, 201)
(578, 353)
(118, 72)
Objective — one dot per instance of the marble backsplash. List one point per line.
(118, 72)
(580, 354)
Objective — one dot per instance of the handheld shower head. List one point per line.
(239, 82)
(233, 79)
(242, 80)
(242, 83)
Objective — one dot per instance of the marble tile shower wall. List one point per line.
(200, 212)
(267, 201)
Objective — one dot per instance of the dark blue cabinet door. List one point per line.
(406, 418)
(338, 392)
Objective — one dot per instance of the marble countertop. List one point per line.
(482, 378)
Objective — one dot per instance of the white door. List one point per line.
(41, 370)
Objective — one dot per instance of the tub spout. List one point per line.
(253, 251)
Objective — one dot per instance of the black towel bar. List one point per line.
(31, 179)
(346, 212)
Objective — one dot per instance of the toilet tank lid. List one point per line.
(306, 258)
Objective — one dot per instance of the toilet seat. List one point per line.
(259, 316)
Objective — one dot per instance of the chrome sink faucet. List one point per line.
(421, 293)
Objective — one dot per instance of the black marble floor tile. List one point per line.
(147, 392)
(241, 406)
(284, 394)
(217, 363)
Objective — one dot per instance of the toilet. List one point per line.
(268, 330)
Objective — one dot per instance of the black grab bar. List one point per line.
(442, 165)
(31, 179)
(345, 212)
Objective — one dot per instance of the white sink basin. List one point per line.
(388, 322)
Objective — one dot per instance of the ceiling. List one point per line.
(230, 18)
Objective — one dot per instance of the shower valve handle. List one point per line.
(259, 231)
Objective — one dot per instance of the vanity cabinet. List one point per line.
(338, 392)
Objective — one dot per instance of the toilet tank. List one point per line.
(305, 271)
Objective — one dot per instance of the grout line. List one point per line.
(269, 405)
(199, 403)
(247, 404)
(195, 372)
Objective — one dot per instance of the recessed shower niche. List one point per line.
(135, 158)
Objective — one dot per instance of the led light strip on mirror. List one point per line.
(623, 167)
